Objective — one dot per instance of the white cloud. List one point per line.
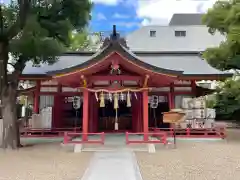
(161, 11)
(101, 16)
(120, 16)
(107, 2)
(128, 24)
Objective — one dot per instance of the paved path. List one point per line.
(113, 165)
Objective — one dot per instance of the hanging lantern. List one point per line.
(154, 101)
(96, 96)
(128, 100)
(102, 103)
(115, 101)
(76, 102)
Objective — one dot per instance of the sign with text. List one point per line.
(173, 117)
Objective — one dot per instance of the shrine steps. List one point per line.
(102, 148)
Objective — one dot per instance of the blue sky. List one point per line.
(130, 15)
(104, 16)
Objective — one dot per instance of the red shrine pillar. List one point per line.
(145, 115)
(85, 114)
(193, 85)
(36, 97)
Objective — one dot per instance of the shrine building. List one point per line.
(117, 89)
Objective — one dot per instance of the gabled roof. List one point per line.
(172, 63)
(116, 46)
(186, 19)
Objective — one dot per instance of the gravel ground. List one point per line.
(43, 162)
(194, 161)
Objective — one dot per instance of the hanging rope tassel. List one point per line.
(102, 103)
(96, 96)
(115, 101)
(128, 100)
(135, 94)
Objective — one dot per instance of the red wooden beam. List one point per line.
(115, 78)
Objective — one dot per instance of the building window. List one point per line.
(180, 33)
(153, 33)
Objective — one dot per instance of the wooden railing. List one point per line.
(162, 138)
(219, 132)
(72, 138)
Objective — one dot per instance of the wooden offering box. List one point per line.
(173, 117)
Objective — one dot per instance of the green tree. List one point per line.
(227, 100)
(224, 17)
(85, 41)
(36, 31)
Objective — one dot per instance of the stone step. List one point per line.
(94, 147)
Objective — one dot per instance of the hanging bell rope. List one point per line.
(115, 101)
(128, 100)
(116, 120)
(102, 103)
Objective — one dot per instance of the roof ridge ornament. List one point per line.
(114, 39)
(114, 36)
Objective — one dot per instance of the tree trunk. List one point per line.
(10, 137)
(10, 134)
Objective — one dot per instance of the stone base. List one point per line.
(151, 148)
(78, 148)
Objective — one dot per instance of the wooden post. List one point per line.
(85, 115)
(145, 115)
(171, 100)
(36, 97)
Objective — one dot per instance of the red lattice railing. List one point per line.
(71, 138)
(161, 138)
(44, 132)
(219, 132)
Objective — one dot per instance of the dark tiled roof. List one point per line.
(186, 19)
(115, 46)
(189, 63)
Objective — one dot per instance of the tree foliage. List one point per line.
(37, 31)
(40, 30)
(85, 41)
(224, 17)
(226, 101)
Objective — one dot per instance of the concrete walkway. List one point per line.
(113, 165)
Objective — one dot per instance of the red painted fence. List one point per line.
(70, 138)
(162, 138)
(219, 132)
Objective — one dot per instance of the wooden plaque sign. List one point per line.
(173, 117)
